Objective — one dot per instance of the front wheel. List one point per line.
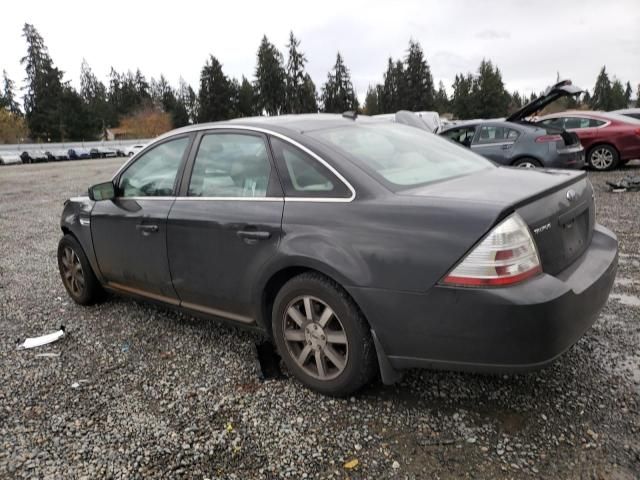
(322, 336)
(603, 157)
(76, 273)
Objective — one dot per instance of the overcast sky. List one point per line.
(529, 40)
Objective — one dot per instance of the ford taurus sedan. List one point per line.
(358, 246)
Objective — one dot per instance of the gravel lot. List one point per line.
(160, 394)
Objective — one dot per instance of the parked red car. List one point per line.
(610, 139)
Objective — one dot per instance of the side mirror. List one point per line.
(102, 191)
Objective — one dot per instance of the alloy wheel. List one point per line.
(72, 273)
(526, 165)
(601, 158)
(315, 337)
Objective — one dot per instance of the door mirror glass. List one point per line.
(102, 191)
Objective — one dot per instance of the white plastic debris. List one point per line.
(43, 340)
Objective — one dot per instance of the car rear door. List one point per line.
(226, 224)
(495, 143)
(129, 232)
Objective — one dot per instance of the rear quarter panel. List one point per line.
(400, 244)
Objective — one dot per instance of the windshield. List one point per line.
(402, 156)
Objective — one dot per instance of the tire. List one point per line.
(527, 162)
(603, 158)
(81, 284)
(352, 347)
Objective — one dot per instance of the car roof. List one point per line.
(495, 123)
(576, 113)
(297, 123)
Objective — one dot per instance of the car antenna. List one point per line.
(350, 114)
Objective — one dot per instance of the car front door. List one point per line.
(129, 232)
(495, 143)
(226, 223)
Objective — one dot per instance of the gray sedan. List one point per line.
(358, 246)
(519, 145)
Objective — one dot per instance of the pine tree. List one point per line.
(419, 93)
(601, 98)
(393, 92)
(309, 96)
(188, 98)
(627, 94)
(371, 106)
(441, 100)
(300, 91)
(94, 95)
(638, 96)
(43, 90)
(215, 96)
(337, 93)
(246, 99)
(7, 98)
(270, 83)
(461, 101)
(618, 99)
(490, 98)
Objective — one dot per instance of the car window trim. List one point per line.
(183, 161)
(194, 130)
(563, 117)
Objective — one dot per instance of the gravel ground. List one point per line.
(142, 392)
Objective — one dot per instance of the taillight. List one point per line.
(548, 138)
(507, 255)
(637, 131)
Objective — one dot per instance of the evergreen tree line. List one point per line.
(55, 111)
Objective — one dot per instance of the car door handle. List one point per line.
(506, 147)
(146, 228)
(253, 235)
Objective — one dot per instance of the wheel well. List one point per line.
(277, 281)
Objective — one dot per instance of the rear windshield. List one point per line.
(401, 156)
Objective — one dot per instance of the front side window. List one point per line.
(462, 135)
(304, 176)
(401, 156)
(230, 165)
(153, 174)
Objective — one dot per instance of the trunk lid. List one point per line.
(553, 93)
(557, 205)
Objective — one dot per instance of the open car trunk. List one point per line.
(553, 93)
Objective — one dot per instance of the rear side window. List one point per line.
(304, 176)
(493, 134)
(400, 156)
(154, 173)
(230, 165)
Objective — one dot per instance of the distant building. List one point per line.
(117, 133)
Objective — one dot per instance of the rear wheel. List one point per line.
(76, 273)
(322, 336)
(527, 162)
(603, 157)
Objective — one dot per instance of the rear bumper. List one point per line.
(570, 158)
(517, 328)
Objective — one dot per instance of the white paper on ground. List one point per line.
(43, 340)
